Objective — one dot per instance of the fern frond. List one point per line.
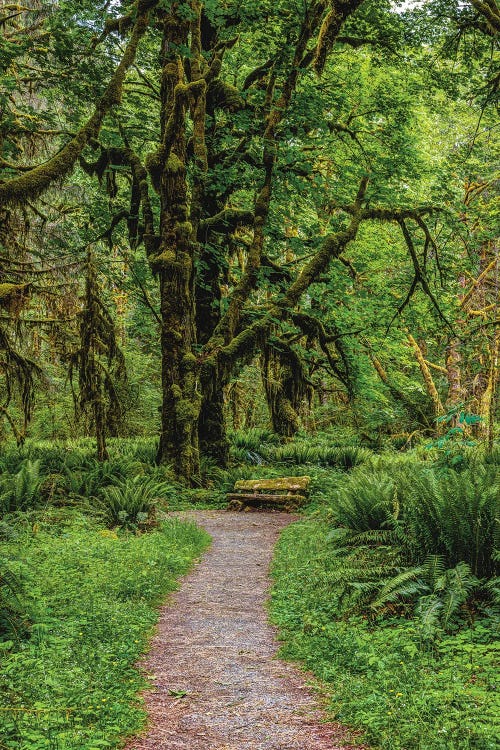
(404, 585)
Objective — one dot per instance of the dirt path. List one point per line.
(214, 644)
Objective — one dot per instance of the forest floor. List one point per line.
(217, 682)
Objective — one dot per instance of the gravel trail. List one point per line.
(215, 648)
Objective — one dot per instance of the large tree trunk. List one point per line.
(212, 434)
(453, 372)
(174, 264)
(286, 387)
(212, 426)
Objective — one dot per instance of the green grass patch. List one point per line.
(381, 673)
(90, 599)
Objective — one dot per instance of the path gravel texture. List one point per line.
(215, 645)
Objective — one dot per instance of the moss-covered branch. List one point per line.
(226, 220)
(333, 245)
(491, 13)
(30, 185)
(162, 159)
(329, 31)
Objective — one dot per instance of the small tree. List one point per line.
(99, 361)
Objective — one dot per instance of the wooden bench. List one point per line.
(283, 493)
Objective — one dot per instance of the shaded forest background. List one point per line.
(219, 216)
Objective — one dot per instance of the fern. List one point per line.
(405, 585)
(130, 503)
(428, 611)
(456, 586)
(454, 515)
(434, 569)
(21, 491)
(366, 502)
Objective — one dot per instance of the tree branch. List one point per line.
(33, 183)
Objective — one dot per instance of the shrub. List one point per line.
(341, 457)
(252, 439)
(454, 515)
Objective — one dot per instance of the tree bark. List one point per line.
(174, 264)
(426, 374)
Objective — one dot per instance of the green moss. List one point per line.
(184, 229)
(176, 392)
(7, 291)
(222, 95)
(186, 411)
(154, 164)
(189, 361)
(174, 164)
(164, 259)
(280, 483)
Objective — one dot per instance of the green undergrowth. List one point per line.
(382, 669)
(78, 612)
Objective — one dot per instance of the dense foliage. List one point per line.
(191, 189)
(87, 597)
(243, 239)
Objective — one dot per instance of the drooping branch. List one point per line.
(314, 329)
(420, 275)
(277, 111)
(333, 245)
(30, 185)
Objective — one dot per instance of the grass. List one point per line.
(381, 674)
(91, 598)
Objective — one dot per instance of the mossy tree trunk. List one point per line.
(174, 264)
(212, 435)
(286, 386)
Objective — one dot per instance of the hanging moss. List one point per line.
(154, 165)
(99, 362)
(28, 186)
(19, 374)
(221, 95)
(13, 296)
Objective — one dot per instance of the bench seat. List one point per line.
(281, 493)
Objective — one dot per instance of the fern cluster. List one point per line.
(21, 490)
(54, 474)
(419, 540)
(130, 503)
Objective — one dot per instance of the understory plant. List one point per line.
(130, 503)
(90, 598)
(418, 541)
(389, 657)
